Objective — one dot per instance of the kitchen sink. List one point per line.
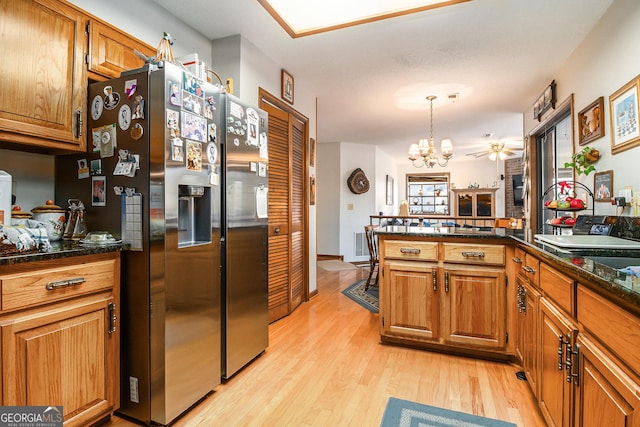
(615, 262)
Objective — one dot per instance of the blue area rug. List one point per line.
(368, 299)
(403, 413)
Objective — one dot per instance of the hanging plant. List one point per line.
(583, 160)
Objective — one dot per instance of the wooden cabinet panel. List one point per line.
(62, 356)
(555, 392)
(43, 98)
(530, 336)
(475, 308)
(38, 287)
(410, 300)
(469, 253)
(616, 328)
(411, 250)
(62, 348)
(112, 51)
(558, 287)
(606, 395)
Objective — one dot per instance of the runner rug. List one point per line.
(403, 413)
(368, 299)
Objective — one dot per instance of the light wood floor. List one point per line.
(325, 367)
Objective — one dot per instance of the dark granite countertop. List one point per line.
(461, 232)
(584, 264)
(621, 288)
(61, 250)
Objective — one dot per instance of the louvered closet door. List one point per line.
(286, 212)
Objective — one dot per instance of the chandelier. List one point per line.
(425, 152)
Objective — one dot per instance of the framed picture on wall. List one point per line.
(287, 87)
(623, 110)
(389, 191)
(603, 186)
(312, 190)
(591, 122)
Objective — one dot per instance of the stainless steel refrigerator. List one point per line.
(245, 290)
(152, 177)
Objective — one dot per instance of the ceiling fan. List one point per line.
(496, 151)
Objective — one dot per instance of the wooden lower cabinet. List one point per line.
(64, 352)
(475, 307)
(456, 306)
(527, 331)
(605, 394)
(411, 301)
(557, 332)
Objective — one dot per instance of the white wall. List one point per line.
(604, 62)
(328, 198)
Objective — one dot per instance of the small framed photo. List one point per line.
(389, 191)
(287, 87)
(591, 122)
(98, 191)
(312, 190)
(603, 186)
(623, 110)
(312, 152)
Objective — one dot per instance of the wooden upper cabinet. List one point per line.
(43, 80)
(112, 51)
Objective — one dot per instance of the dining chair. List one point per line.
(372, 244)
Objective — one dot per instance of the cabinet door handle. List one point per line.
(409, 251)
(467, 254)
(65, 283)
(112, 317)
(560, 352)
(434, 278)
(528, 269)
(446, 281)
(516, 260)
(78, 123)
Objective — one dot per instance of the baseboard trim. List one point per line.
(323, 257)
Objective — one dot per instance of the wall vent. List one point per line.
(361, 248)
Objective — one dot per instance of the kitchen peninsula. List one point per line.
(571, 321)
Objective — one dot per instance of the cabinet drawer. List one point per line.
(49, 285)
(616, 328)
(406, 249)
(469, 253)
(558, 287)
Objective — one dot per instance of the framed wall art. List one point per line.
(312, 152)
(623, 111)
(545, 101)
(312, 190)
(591, 122)
(603, 186)
(389, 192)
(287, 87)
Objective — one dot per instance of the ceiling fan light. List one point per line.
(502, 155)
(493, 156)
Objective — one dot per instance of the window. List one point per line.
(428, 193)
(554, 148)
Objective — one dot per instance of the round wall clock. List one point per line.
(358, 182)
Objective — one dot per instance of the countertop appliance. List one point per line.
(151, 177)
